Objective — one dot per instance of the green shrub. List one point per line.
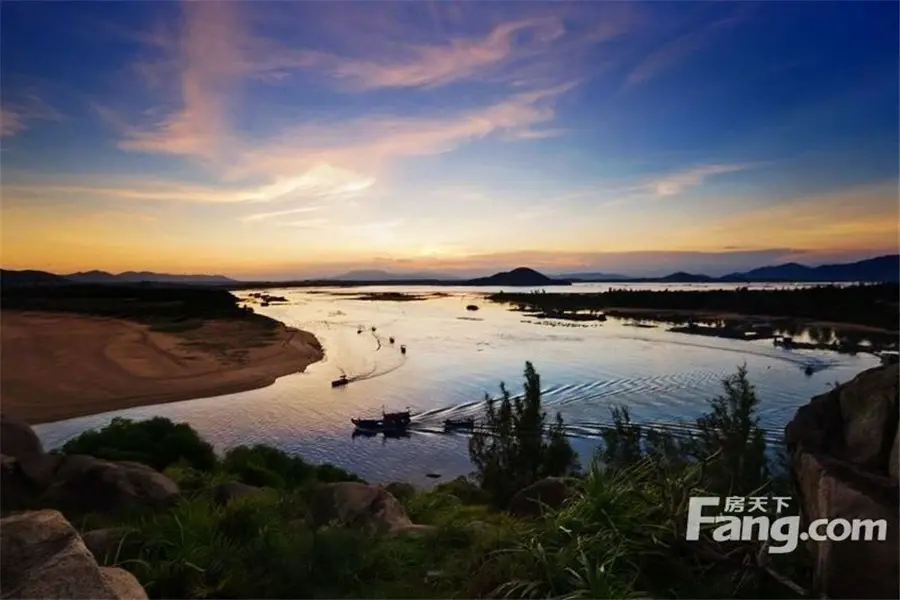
(156, 442)
(516, 447)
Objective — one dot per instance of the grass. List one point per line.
(621, 534)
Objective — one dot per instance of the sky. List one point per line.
(297, 139)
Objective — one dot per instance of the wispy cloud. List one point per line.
(321, 183)
(279, 213)
(679, 49)
(16, 116)
(675, 183)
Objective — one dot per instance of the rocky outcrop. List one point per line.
(843, 452)
(30, 477)
(41, 556)
(532, 501)
(359, 506)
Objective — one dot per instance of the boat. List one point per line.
(342, 380)
(403, 349)
(373, 425)
(451, 424)
(391, 340)
(388, 423)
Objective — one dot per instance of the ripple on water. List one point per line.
(663, 377)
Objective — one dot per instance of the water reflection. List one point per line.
(452, 361)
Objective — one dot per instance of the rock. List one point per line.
(551, 492)
(360, 506)
(123, 583)
(226, 492)
(842, 448)
(401, 490)
(104, 544)
(85, 483)
(17, 439)
(41, 556)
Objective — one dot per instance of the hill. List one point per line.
(145, 276)
(29, 277)
(521, 276)
(879, 269)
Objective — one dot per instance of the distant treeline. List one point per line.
(138, 302)
(874, 305)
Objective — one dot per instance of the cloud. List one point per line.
(435, 65)
(679, 49)
(321, 182)
(279, 213)
(676, 183)
(16, 116)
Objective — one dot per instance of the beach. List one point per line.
(59, 365)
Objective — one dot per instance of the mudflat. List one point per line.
(58, 366)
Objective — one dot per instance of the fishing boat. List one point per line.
(389, 422)
(453, 424)
(342, 380)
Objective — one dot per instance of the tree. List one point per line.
(732, 430)
(516, 447)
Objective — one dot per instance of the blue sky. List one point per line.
(299, 138)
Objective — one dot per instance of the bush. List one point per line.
(264, 466)
(156, 442)
(516, 448)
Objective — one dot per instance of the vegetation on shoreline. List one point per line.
(620, 534)
(169, 309)
(873, 305)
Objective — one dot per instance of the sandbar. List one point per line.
(58, 366)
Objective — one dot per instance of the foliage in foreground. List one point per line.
(516, 447)
(622, 534)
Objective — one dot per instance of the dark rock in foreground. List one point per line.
(843, 448)
(29, 477)
(359, 506)
(41, 556)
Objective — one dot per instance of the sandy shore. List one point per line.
(58, 366)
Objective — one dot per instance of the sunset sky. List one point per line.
(293, 139)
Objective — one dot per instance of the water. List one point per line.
(454, 357)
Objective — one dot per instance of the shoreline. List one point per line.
(60, 366)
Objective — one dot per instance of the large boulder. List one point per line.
(532, 501)
(85, 483)
(359, 506)
(29, 477)
(842, 448)
(17, 439)
(41, 556)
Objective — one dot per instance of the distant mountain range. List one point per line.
(879, 269)
(376, 275)
(142, 276)
(8, 277)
